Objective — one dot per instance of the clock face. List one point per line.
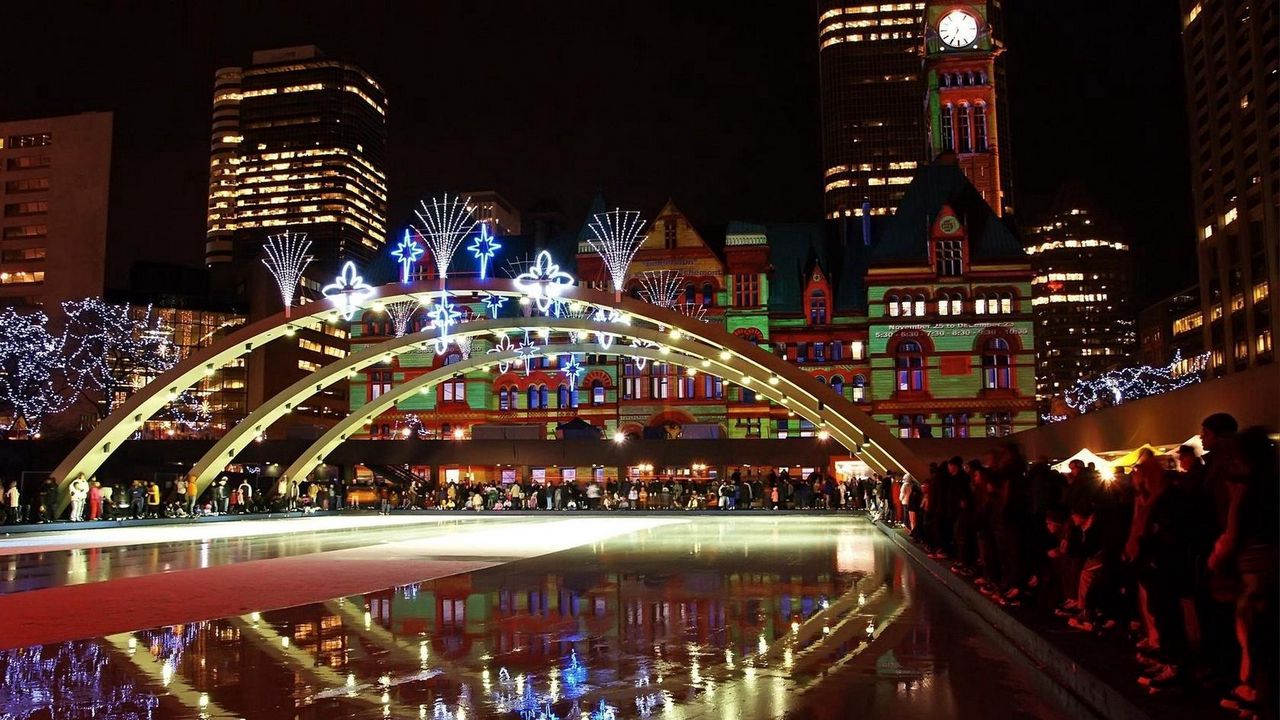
(958, 29)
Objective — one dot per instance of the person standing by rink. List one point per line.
(95, 500)
(79, 491)
(12, 497)
(192, 495)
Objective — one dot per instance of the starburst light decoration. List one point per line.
(444, 315)
(286, 259)
(526, 351)
(347, 291)
(616, 239)
(401, 314)
(543, 282)
(443, 225)
(483, 248)
(693, 311)
(573, 371)
(661, 287)
(493, 303)
(503, 348)
(407, 253)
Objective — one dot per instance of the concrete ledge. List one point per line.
(1077, 686)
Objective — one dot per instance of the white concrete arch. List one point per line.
(743, 361)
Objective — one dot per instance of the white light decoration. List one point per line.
(443, 226)
(444, 315)
(544, 281)
(1120, 386)
(483, 249)
(286, 259)
(407, 253)
(503, 348)
(347, 291)
(493, 303)
(640, 362)
(32, 372)
(401, 314)
(573, 371)
(661, 287)
(693, 311)
(526, 351)
(616, 239)
(609, 315)
(463, 342)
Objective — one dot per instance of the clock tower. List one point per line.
(963, 83)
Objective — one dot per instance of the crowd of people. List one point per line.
(1179, 554)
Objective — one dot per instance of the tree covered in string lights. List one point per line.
(1116, 387)
(32, 372)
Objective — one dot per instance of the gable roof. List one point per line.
(794, 250)
(905, 236)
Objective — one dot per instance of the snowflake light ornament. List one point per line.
(347, 291)
(444, 315)
(483, 249)
(503, 348)
(407, 253)
(544, 281)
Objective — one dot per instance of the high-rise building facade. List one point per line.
(494, 210)
(299, 141)
(54, 179)
(1080, 295)
(964, 91)
(1232, 53)
(871, 90)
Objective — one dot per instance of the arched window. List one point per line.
(944, 304)
(965, 140)
(910, 366)
(980, 127)
(452, 358)
(859, 389)
(597, 392)
(948, 128)
(968, 78)
(982, 77)
(504, 400)
(980, 303)
(893, 306)
(920, 302)
(957, 303)
(837, 384)
(1006, 304)
(708, 294)
(818, 307)
(997, 370)
(822, 380)
(562, 396)
(690, 294)
(544, 396)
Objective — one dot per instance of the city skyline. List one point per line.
(646, 151)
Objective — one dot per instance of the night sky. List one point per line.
(713, 104)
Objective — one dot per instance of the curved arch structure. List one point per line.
(665, 335)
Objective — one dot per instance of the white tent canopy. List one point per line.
(1087, 456)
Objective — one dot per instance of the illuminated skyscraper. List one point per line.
(872, 94)
(1232, 54)
(299, 141)
(1080, 296)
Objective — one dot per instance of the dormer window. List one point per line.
(948, 258)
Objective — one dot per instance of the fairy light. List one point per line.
(443, 226)
(616, 239)
(286, 259)
(1116, 387)
(401, 313)
(661, 287)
